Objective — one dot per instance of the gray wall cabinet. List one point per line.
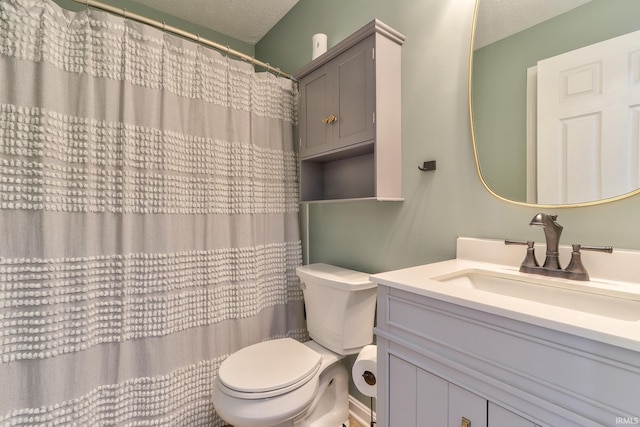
(338, 102)
(349, 119)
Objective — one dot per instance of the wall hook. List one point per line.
(428, 166)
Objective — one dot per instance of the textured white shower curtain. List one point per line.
(148, 219)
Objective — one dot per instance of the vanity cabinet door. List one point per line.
(433, 399)
(500, 417)
(402, 393)
(418, 398)
(466, 409)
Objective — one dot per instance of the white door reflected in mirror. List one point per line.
(522, 34)
(588, 105)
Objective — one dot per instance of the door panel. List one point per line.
(432, 398)
(355, 76)
(587, 142)
(464, 405)
(402, 393)
(317, 97)
(500, 417)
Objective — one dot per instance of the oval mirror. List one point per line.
(554, 96)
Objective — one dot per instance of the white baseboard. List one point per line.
(360, 412)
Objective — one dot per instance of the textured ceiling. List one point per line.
(250, 20)
(244, 20)
(498, 19)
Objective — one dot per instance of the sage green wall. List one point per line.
(450, 202)
(442, 205)
(377, 236)
(500, 79)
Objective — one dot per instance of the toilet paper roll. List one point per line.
(319, 45)
(365, 371)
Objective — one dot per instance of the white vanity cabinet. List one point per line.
(420, 398)
(498, 416)
(349, 118)
(441, 363)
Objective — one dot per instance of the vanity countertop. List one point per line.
(620, 329)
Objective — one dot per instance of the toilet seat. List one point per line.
(268, 369)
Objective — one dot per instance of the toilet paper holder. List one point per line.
(369, 377)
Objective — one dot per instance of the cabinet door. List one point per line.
(355, 98)
(402, 393)
(464, 405)
(432, 398)
(316, 102)
(500, 417)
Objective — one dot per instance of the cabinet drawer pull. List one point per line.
(465, 422)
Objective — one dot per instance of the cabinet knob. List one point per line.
(465, 422)
(330, 119)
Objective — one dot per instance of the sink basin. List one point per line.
(599, 298)
(485, 278)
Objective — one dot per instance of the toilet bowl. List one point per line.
(309, 386)
(283, 382)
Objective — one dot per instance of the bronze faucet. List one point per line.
(551, 267)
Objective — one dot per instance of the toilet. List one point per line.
(285, 383)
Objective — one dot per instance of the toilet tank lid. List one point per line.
(335, 277)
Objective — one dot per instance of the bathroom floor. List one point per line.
(354, 423)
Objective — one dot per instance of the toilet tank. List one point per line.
(340, 306)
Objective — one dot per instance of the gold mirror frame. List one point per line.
(475, 148)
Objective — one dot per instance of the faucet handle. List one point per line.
(528, 243)
(576, 269)
(607, 249)
(530, 260)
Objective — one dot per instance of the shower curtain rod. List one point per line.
(191, 36)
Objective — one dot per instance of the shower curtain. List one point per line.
(148, 219)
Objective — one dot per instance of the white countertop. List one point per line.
(619, 332)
